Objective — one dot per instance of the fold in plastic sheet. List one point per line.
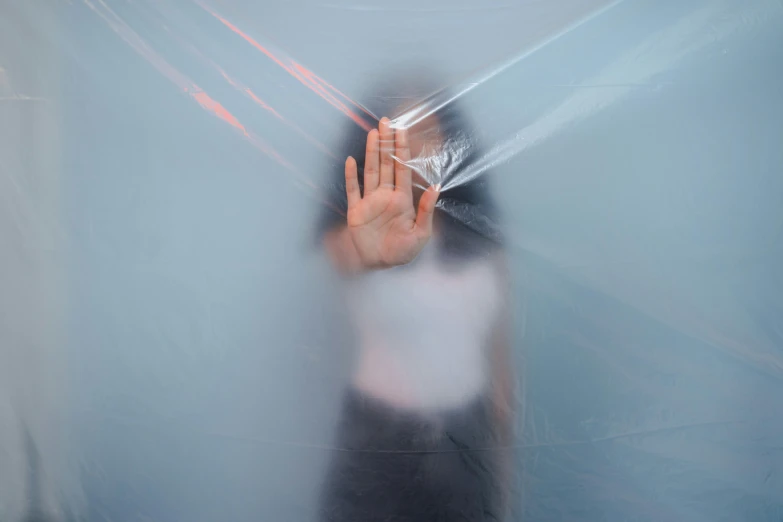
(169, 344)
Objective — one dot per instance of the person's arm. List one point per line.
(503, 379)
(503, 385)
(501, 356)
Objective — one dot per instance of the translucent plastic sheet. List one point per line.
(176, 344)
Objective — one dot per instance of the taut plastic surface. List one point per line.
(172, 344)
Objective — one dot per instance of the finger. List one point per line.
(352, 182)
(387, 149)
(402, 172)
(371, 161)
(427, 210)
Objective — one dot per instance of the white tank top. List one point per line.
(423, 331)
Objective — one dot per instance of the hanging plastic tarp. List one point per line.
(347, 260)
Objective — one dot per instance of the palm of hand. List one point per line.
(384, 225)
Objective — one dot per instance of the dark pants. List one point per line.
(395, 466)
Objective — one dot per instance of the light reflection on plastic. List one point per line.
(187, 85)
(247, 91)
(298, 71)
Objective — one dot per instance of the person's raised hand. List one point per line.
(383, 224)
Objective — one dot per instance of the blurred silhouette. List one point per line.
(426, 422)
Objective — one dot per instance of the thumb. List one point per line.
(427, 210)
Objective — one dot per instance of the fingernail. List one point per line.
(437, 187)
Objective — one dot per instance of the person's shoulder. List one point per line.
(498, 259)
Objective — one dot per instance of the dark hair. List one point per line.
(467, 215)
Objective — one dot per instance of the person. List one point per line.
(426, 426)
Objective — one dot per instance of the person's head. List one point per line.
(443, 146)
